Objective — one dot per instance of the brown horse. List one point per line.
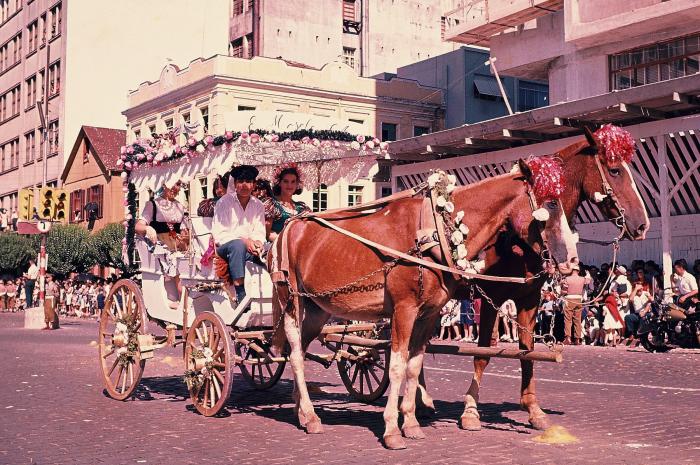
(321, 259)
(583, 180)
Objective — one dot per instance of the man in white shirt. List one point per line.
(31, 276)
(685, 286)
(239, 225)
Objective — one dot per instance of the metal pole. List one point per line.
(46, 115)
(492, 62)
(42, 268)
(665, 207)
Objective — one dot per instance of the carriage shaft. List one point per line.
(356, 340)
(537, 356)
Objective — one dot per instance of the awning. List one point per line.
(487, 85)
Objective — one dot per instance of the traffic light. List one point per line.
(26, 204)
(46, 203)
(61, 205)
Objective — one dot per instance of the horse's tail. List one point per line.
(280, 301)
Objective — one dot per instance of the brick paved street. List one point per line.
(623, 406)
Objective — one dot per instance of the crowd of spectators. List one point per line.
(71, 297)
(596, 305)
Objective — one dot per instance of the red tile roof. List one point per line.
(106, 143)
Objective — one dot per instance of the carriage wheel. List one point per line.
(366, 378)
(261, 376)
(121, 321)
(208, 363)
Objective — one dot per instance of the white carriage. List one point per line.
(141, 317)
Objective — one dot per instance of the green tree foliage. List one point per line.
(69, 249)
(15, 252)
(107, 246)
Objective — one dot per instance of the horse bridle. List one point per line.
(620, 221)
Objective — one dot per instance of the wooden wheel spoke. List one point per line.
(205, 387)
(212, 393)
(114, 365)
(269, 370)
(131, 375)
(111, 351)
(214, 341)
(354, 374)
(369, 382)
(199, 335)
(260, 375)
(205, 333)
(219, 376)
(374, 375)
(218, 364)
(362, 381)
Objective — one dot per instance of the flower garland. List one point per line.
(442, 186)
(616, 146)
(163, 148)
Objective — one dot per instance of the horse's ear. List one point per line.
(592, 148)
(525, 169)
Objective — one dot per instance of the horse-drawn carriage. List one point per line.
(417, 243)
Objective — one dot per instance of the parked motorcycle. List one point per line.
(667, 326)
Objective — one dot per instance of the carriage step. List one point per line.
(537, 356)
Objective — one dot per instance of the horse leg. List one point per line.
(425, 406)
(401, 328)
(528, 398)
(470, 419)
(305, 409)
(414, 370)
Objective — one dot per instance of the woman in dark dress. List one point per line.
(281, 207)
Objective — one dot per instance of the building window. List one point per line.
(388, 131)
(152, 130)
(245, 108)
(205, 118)
(532, 95)
(33, 33)
(54, 79)
(236, 49)
(655, 63)
(320, 199)
(137, 134)
(9, 104)
(420, 130)
(56, 21)
(31, 91)
(186, 117)
(86, 153)
(11, 52)
(237, 7)
(349, 10)
(94, 195)
(10, 155)
(53, 137)
(386, 191)
(204, 183)
(354, 195)
(77, 203)
(248, 49)
(169, 124)
(43, 26)
(29, 147)
(349, 56)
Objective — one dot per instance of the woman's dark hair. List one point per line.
(277, 190)
(222, 180)
(264, 185)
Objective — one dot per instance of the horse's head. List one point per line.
(546, 224)
(607, 179)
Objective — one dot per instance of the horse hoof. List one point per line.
(394, 442)
(413, 432)
(540, 423)
(314, 427)
(470, 423)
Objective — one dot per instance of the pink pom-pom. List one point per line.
(130, 150)
(192, 142)
(615, 145)
(228, 135)
(376, 141)
(255, 138)
(305, 140)
(360, 139)
(122, 149)
(548, 178)
(275, 138)
(125, 189)
(120, 162)
(178, 149)
(209, 140)
(244, 135)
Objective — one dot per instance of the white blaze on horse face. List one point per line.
(561, 241)
(639, 197)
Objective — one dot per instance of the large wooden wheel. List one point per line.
(122, 320)
(209, 373)
(261, 375)
(367, 377)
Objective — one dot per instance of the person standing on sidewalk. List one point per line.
(51, 294)
(30, 281)
(573, 289)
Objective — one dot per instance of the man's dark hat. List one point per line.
(244, 172)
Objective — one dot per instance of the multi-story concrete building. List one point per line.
(584, 48)
(370, 36)
(470, 89)
(82, 56)
(226, 93)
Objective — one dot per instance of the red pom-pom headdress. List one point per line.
(615, 145)
(288, 167)
(548, 178)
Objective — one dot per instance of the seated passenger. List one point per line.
(206, 206)
(239, 226)
(282, 206)
(161, 220)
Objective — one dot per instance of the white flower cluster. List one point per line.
(444, 184)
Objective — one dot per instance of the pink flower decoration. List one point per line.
(275, 138)
(244, 135)
(209, 140)
(192, 142)
(122, 149)
(376, 141)
(149, 158)
(305, 140)
(125, 189)
(360, 139)
(255, 138)
(120, 162)
(615, 145)
(336, 144)
(178, 149)
(316, 142)
(130, 150)
(228, 135)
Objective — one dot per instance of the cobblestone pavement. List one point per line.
(623, 406)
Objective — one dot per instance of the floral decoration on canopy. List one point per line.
(616, 145)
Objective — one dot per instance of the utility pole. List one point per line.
(44, 119)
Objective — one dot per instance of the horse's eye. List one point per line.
(615, 172)
(552, 204)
